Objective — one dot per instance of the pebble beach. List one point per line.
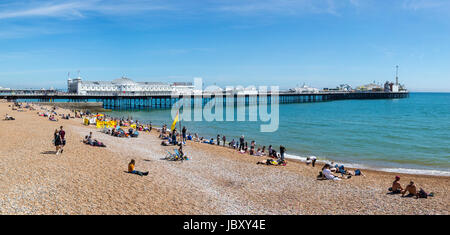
(216, 180)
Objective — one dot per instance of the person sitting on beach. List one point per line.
(53, 118)
(274, 154)
(231, 144)
(263, 151)
(196, 139)
(131, 170)
(411, 189)
(396, 187)
(180, 151)
(93, 142)
(327, 173)
(258, 152)
(133, 133)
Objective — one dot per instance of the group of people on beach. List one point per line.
(52, 115)
(329, 171)
(411, 189)
(173, 137)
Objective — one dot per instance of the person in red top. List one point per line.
(62, 135)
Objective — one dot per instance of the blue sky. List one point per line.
(322, 43)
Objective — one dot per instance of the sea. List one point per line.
(409, 135)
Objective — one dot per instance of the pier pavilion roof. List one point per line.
(124, 81)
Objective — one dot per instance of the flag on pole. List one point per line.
(174, 121)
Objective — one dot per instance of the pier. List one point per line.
(166, 100)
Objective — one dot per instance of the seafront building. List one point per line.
(304, 89)
(124, 85)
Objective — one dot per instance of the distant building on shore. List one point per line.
(4, 89)
(124, 85)
(304, 89)
(369, 87)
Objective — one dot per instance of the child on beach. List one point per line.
(131, 170)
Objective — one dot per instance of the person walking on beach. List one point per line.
(183, 131)
(224, 139)
(57, 141)
(218, 140)
(241, 143)
(62, 135)
(282, 151)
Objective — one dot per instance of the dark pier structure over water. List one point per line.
(154, 101)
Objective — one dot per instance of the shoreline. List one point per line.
(353, 166)
(321, 162)
(217, 180)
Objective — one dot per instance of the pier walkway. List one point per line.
(166, 100)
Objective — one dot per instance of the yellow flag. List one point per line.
(174, 122)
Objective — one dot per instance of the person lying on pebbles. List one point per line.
(8, 118)
(326, 174)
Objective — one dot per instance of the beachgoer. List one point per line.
(311, 160)
(62, 134)
(131, 170)
(183, 131)
(224, 139)
(327, 173)
(411, 189)
(396, 187)
(218, 139)
(241, 142)
(180, 151)
(57, 141)
(282, 151)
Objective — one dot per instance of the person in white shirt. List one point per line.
(311, 160)
(327, 173)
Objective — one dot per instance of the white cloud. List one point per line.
(78, 8)
(285, 6)
(426, 4)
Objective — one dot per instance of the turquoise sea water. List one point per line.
(409, 135)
